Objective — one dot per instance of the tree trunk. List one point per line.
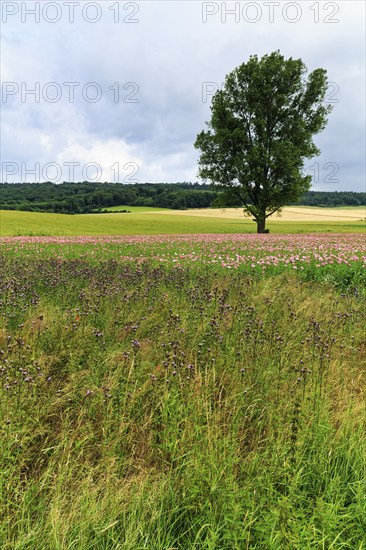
(261, 226)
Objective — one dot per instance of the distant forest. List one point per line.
(87, 197)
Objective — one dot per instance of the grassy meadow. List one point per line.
(203, 392)
(142, 221)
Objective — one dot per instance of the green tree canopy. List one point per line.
(261, 130)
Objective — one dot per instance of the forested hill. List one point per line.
(85, 197)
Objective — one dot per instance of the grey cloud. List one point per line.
(169, 54)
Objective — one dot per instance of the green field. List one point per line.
(183, 393)
(13, 223)
(200, 392)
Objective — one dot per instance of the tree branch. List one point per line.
(273, 211)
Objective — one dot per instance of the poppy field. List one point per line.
(187, 391)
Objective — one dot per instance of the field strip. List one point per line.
(288, 214)
(354, 216)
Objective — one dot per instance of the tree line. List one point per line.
(89, 197)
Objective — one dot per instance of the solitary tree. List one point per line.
(260, 133)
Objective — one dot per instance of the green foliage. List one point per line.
(83, 198)
(261, 130)
(333, 198)
(152, 407)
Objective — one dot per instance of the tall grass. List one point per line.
(146, 407)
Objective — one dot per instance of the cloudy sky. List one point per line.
(117, 91)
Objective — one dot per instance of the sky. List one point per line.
(118, 91)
